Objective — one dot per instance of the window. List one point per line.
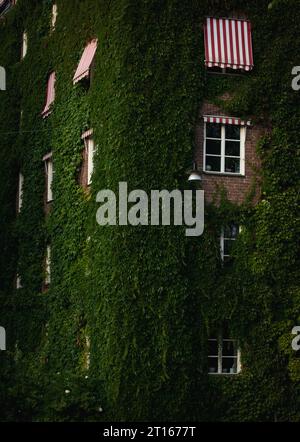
(24, 45)
(49, 176)
(224, 146)
(50, 96)
(90, 153)
(223, 354)
(84, 67)
(19, 283)
(228, 44)
(53, 16)
(228, 236)
(20, 192)
(48, 266)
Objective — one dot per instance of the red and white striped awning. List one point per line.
(50, 95)
(86, 60)
(226, 120)
(228, 43)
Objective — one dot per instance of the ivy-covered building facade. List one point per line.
(142, 323)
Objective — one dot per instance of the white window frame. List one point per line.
(90, 150)
(48, 266)
(220, 356)
(48, 160)
(24, 45)
(54, 14)
(20, 191)
(19, 283)
(243, 134)
(223, 238)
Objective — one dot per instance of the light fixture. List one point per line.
(195, 175)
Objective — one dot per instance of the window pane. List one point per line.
(213, 164)
(232, 132)
(229, 365)
(232, 165)
(213, 347)
(213, 130)
(213, 147)
(231, 231)
(229, 348)
(225, 330)
(213, 365)
(228, 245)
(232, 148)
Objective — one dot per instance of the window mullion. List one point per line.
(242, 150)
(204, 150)
(223, 148)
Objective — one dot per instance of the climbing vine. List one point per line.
(121, 334)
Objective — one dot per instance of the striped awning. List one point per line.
(228, 43)
(50, 97)
(87, 134)
(83, 69)
(226, 120)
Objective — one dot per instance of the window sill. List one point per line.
(224, 374)
(228, 174)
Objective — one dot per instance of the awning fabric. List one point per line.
(87, 134)
(226, 120)
(50, 95)
(228, 43)
(87, 57)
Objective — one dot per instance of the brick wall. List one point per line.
(237, 187)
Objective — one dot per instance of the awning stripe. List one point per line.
(87, 134)
(226, 120)
(228, 43)
(83, 69)
(50, 95)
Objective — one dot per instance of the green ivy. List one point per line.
(147, 298)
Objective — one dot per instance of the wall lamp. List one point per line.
(195, 175)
